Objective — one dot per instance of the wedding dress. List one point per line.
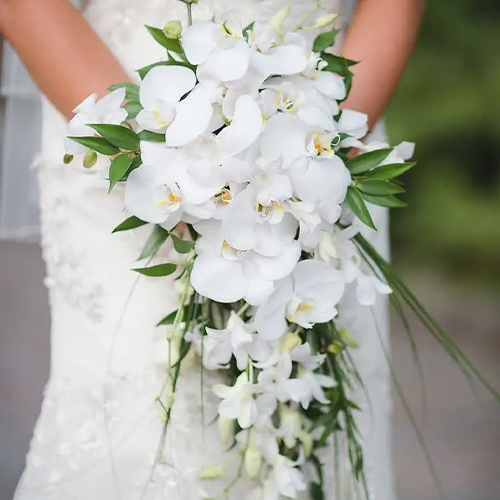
(99, 429)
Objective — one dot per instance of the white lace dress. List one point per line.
(99, 428)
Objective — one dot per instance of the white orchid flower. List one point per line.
(287, 478)
(355, 124)
(238, 401)
(285, 136)
(170, 184)
(219, 50)
(92, 111)
(244, 129)
(303, 355)
(259, 209)
(306, 297)
(225, 274)
(322, 182)
(220, 345)
(367, 288)
(182, 120)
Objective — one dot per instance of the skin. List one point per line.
(48, 36)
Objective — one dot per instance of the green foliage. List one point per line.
(355, 201)
(169, 43)
(131, 90)
(158, 271)
(325, 40)
(130, 223)
(181, 246)
(119, 136)
(155, 241)
(146, 135)
(97, 144)
(146, 69)
(133, 108)
(118, 169)
(365, 162)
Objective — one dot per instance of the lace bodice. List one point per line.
(100, 427)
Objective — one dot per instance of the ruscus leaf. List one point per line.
(146, 135)
(156, 239)
(130, 223)
(168, 320)
(325, 40)
(379, 187)
(118, 169)
(386, 172)
(387, 201)
(121, 137)
(358, 207)
(97, 144)
(131, 90)
(367, 161)
(133, 108)
(146, 69)
(168, 43)
(181, 246)
(158, 271)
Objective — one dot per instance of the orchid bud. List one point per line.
(67, 159)
(323, 21)
(279, 18)
(307, 443)
(253, 461)
(89, 159)
(226, 429)
(290, 341)
(173, 30)
(212, 472)
(348, 338)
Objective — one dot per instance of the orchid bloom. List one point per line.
(306, 297)
(226, 274)
(164, 110)
(92, 111)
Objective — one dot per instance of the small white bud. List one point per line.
(327, 19)
(253, 461)
(226, 429)
(279, 18)
(89, 159)
(290, 341)
(173, 30)
(212, 472)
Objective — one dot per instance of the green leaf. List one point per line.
(168, 320)
(97, 144)
(118, 169)
(325, 40)
(385, 172)
(144, 71)
(133, 108)
(388, 201)
(379, 187)
(337, 64)
(136, 163)
(168, 43)
(146, 135)
(181, 246)
(121, 137)
(358, 206)
(156, 239)
(130, 223)
(247, 29)
(131, 90)
(367, 161)
(157, 271)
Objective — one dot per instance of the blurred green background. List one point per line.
(449, 104)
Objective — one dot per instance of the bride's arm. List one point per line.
(382, 36)
(61, 51)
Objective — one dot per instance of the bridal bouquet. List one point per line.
(235, 148)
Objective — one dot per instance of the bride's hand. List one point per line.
(48, 36)
(382, 52)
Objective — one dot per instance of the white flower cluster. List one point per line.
(250, 129)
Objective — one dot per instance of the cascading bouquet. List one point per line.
(236, 149)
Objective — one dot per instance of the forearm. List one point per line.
(381, 37)
(64, 55)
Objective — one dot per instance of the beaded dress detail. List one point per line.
(98, 433)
